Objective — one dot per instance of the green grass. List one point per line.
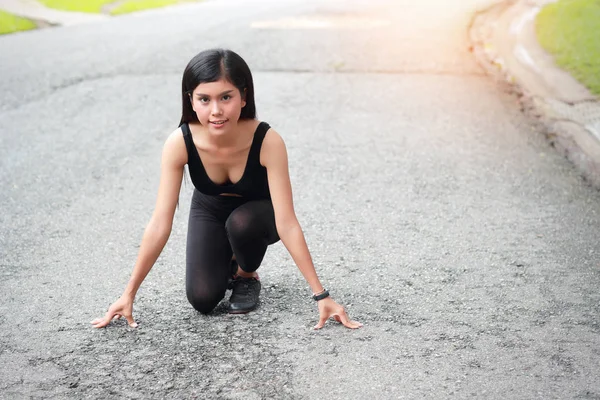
(138, 5)
(570, 30)
(11, 23)
(90, 6)
(95, 6)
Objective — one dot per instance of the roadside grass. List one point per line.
(570, 30)
(10, 23)
(138, 5)
(95, 6)
(89, 6)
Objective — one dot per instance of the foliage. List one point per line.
(11, 23)
(570, 30)
(89, 6)
(137, 5)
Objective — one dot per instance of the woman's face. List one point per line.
(218, 105)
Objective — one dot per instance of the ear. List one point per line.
(244, 98)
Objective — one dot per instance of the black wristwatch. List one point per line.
(323, 295)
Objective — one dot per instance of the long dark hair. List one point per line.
(210, 66)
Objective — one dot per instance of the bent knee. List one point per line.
(204, 302)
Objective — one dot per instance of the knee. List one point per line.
(204, 302)
(238, 226)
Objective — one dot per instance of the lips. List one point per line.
(218, 123)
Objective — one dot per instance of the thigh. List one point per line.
(251, 229)
(208, 254)
(253, 220)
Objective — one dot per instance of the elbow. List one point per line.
(160, 227)
(285, 227)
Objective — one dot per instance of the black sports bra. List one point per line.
(253, 184)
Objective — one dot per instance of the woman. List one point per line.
(242, 200)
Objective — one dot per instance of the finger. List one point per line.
(343, 318)
(353, 325)
(321, 323)
(117, 316)
(102, 322)
(130, 321)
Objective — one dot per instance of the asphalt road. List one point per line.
(434, 211)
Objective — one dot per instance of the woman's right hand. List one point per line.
(120, 308)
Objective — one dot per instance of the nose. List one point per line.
(216, 108)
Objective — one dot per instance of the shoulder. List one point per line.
(273, 148)
(174, 148)
(273, 141)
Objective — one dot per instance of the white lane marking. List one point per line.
(320, 23)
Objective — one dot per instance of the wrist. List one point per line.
(320, 296)
(316, 287)
(129, 292)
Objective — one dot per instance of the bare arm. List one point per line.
(158, 230)
(275, 159)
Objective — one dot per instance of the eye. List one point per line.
(226, 97)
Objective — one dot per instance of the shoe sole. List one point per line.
(242, 311)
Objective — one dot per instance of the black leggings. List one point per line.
(220, 226)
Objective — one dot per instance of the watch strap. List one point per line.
(324, 294)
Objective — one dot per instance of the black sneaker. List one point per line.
(244, 297)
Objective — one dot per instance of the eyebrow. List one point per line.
(221, 94)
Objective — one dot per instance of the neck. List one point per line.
(226, 138)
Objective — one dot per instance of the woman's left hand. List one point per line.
(329, 308)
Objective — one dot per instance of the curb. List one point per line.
(504, 43)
